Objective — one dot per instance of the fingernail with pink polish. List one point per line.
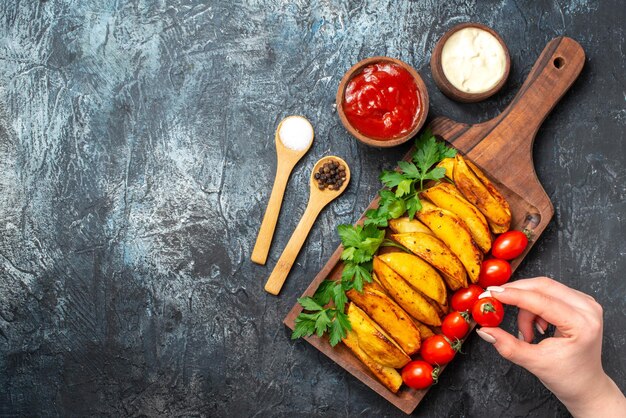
(520, 336)
(485, 294)
(541, 331)
(487, 337)
(497, 289)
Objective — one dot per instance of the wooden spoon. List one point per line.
(318, 199)
(287, 159)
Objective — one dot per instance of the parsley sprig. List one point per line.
(361, 243)
(409, 181)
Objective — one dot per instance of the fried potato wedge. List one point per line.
(495, 209)
(425, 331)
(388, 376)
(498, 229)
(375, 341)
(435, 252)
(408, 298)
(404, 225)
(451, 229)
(388, 315)
(418, 273)
(446, 196)
(448, 164)
(442, 308)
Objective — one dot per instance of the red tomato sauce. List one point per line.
(382, 101)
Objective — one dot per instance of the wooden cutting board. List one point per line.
(502, 147)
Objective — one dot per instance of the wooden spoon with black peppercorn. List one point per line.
(329, 179)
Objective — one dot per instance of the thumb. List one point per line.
(511, 348)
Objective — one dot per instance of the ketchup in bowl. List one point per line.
(382, 101)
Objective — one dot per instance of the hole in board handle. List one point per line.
(558, 62)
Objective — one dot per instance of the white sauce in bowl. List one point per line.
(473, 60)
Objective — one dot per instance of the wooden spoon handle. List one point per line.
(288, 257)
(266, 232)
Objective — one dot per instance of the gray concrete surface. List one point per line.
(136, 159)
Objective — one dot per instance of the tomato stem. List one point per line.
(435, 374)
(528, 233)
(488, 307)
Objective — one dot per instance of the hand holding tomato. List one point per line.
(568, 363)
(488, 312)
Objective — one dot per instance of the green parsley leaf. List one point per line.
(409, 169)
(305, 326)
(324, 292)
(404, 188)
(376, 217)
(348, 253)
(339, 297)
(397, 208)
(391, 178)
(413, 205)
(350, 235)
(361, 275)
(310, 304)
(339, 328)
(322, 323)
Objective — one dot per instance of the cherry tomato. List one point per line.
(509, 245)
(464, 299)
(488, 312)
(439, 350)
(494, 272)
(418, 374)
(455, 325)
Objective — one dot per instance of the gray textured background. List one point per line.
(136, 158)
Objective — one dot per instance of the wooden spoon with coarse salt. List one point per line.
(318, 199)
(294, 137)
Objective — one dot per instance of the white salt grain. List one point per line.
(296, 133)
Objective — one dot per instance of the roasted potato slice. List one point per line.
(446, 196)
(375, 341)
(451, 229)
(388, 376)
(408, 298)
(425, 330)
(476, 192)
(404, 225)
(448, 164)
(435, 252)
(418, 273)
(498, 229)
(388, 315)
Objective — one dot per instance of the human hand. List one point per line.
(568, 363)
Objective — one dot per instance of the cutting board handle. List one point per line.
(554, 72)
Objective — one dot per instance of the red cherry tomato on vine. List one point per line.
(509, 245)
(494, 272)
(418, 374)
(455, 325)
(438, 350)
(463, 299)
(488, 312)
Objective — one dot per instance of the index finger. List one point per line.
(559, 290)
(553, 310)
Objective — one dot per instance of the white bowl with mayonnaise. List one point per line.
(470, 62)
